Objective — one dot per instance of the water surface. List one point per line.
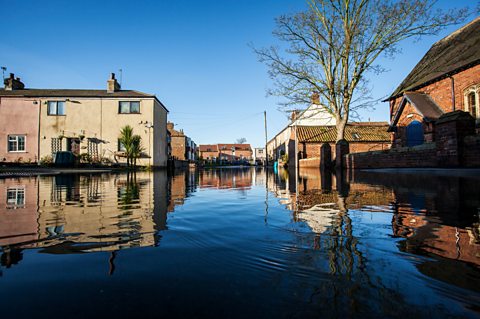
(236, 243)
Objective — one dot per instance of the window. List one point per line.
(16, 143)
(56, 108)
(471, 101)
(472, 104)
(121, 147)
(127, 107)
(15, 198)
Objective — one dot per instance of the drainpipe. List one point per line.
(453, 92)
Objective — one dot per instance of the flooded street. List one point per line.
(239, 243)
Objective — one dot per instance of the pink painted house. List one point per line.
(19, 124)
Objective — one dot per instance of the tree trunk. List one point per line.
(340, 124)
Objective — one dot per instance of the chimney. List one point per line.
(170, 126)
(315, 98)
(13, 84)
(112, 84)
(294, 115)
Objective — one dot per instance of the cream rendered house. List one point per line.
(89, 122)
(314, 115)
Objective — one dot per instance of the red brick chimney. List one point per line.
(112, 84)
(294, 115)
(13, 84)
(315, 98)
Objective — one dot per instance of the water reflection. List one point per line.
(222, 240)
(83, 213)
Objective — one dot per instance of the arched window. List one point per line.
(472, 101)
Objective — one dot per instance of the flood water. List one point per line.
(240, 243)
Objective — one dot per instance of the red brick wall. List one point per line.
(312, 150)
(178, 147)
(393, 159)
(209, 155)
(471, 151)
(441, 93)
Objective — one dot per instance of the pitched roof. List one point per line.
(355, 132)
(423, 103)
(208, 148)
(242, 147)
(78, 93)
(454, 53)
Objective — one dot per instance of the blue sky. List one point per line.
(194, 55)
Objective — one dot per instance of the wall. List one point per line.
(99, 118)
(19, 116)
(160, 146)
(471, 151)
(179, 147)
(419, 156)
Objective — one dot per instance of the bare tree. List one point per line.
(332, 45)
(241, 140)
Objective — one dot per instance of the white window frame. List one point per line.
(17, 136)
(56, 108)
(473, 89)
(12, 203)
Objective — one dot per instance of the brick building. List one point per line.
(182, 147)
(314, 127)
(362, 137)
(446, 79)
(229, 153)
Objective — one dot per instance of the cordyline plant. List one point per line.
(132, 144)
(330, 47)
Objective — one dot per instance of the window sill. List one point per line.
(17, 152)
(130, 113)
(56, 114)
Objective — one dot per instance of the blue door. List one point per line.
(414, 133)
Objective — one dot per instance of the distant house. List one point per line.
(36, 123)
(208, 152)
(315, 126)
(446, 79)
(259, 155)
(228, 153)
(183, 148)
(314, 115)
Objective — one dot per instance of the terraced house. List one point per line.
(36, 123)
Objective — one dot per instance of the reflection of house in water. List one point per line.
(182, 183)
(239, 178)
(83, 213)
(315, 187)
(18, 210)
(435, 214)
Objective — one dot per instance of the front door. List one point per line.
(414, 134)
(73, 145)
